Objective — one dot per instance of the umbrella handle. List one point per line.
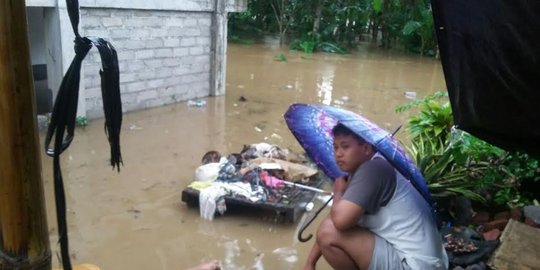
(305, 239)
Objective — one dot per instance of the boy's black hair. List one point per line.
(342, 130)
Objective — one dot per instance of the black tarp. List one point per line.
(490, 53)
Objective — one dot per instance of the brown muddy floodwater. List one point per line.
(135, 219)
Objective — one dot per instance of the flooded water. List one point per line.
(135, 219)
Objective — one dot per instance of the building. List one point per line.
(168, 51)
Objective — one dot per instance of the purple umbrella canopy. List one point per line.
(312, 126)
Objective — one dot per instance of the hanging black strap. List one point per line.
(64, 113)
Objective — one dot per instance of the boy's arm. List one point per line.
(313, 257)
(344, 214)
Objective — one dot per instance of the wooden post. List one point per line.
(24, 239)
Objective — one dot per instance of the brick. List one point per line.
(134, 44)
(111, 22)
(495, 224)
(179, 22)
(171, 42)
(98, 32)
(153, 63)
(164, 53)
(98, 12)
(156, 83)
(160, 32)
(480, 218)
(125, 55)
(136, 66)
(181, 70)
(152, 21)
(516, 214)
(180, 52)
(187, 42)
(135, 86)
(147, 74)
(170, 62)
(192, 32)
(196, 51)
(203, 41)
(154, 103)
(206, 21)
(164, 72)
(144, 54)
(91, 22)
(120, 33)
(146, 95)
(492, 235)
(143, 13)
(90, 93)
(176, 31)
(128, 77)
(140, 33)
(502, 215)
(531, 223)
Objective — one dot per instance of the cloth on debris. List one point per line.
(209, 198)
(271, 181)
(259, 150)
(207, 172)
(293, 171)
(199, 185)
(212, 198)
(228, 171)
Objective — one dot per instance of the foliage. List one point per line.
(81, 121)
(419, 31)
(454, 162)
(312, 43)
(333, 25)
(282, 58)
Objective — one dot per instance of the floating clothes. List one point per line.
(211, 199)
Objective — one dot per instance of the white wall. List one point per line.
(36, 35)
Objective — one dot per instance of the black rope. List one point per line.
(64, 114)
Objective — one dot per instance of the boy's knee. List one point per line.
(326, 233)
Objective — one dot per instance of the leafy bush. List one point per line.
(454, 162)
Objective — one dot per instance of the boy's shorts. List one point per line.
(385, 256)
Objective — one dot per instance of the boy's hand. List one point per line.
(340, 185)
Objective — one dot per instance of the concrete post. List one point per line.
(59, 40)
(24, 238)
(219, 49)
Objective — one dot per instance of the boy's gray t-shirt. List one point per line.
(372, 185)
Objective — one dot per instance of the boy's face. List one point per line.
(349, 153)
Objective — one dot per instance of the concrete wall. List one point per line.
(169, 51)
(164, 56)
(36, 35)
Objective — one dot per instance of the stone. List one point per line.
(532, 212)
(479, 218)
(519, 248)
(516, 214)
(531, 223)
(492, 235)
(502, 215)
(495, 224)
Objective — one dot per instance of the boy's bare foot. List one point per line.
(213, 265)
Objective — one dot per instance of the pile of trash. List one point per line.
(259, 173)
(474, 239)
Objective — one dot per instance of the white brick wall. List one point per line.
(164, 56)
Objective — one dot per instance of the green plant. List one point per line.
(81, 121)
(437, 164)
(282, 58)
(454, 162)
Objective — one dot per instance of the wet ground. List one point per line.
(135, 219)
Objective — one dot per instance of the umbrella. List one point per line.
(312, 126)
